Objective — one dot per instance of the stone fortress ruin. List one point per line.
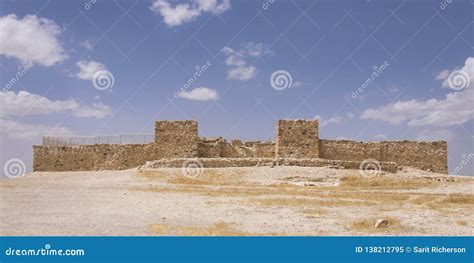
(297, 143)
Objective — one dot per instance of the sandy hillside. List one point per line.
(236, 201)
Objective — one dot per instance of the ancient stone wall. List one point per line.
(94, 157)
(177, 138)
(219, 147)
(348, 150)
(432, 156)
(264, 149)
(297, 139)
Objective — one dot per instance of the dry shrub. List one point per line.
(314, 212)
(368, 226)
(218, 229)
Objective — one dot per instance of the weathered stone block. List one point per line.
(297, 139)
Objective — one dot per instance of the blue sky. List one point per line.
(369, 70)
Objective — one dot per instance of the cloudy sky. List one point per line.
(369, 70)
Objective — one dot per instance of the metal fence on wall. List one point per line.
(132, 138)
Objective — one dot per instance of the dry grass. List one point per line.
(458, 199)
(7, 185)
(208, 177)
(444, 203)
(219, 229)
(379, 197)
(368, 226)
(214, 192)
(385, 192)
(462, 223)
(334, 193)
(307, 202)
(314, 212)
(387, 183)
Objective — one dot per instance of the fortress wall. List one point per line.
(264, 150)
(422, 155)
(215, 148)
(243, 149)
(172, 139)
(297, 139)
(349, 150)
(208, 148)
(94, 157)
(177, 138)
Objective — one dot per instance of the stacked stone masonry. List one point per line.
(296, 140)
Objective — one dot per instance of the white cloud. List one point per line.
(97, 110)
(186, 12)
(236, 60)
(199, 94)
(332, 120)
(31, 39)
(88, 44)
(434, 135)
(20, 130)
(25, 103)
(242, 73)
(442, 75)
(87, 69)
(455, 109)
(213, 6)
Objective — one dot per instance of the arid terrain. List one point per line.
(237, 201)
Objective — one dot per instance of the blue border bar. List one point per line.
(238, 249)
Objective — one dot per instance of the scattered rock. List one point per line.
(335, 166)
(381, 223)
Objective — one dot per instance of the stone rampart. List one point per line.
(296, 140)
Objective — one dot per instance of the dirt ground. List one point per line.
(236, 201)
